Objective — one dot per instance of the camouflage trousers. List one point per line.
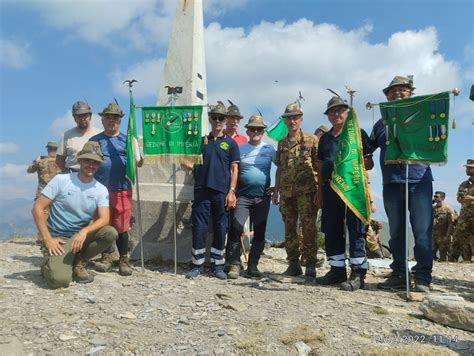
(443, 244)
(463, 239)
(302, 207)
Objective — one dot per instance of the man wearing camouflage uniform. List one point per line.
(46, 167)
(295, 191)
(443, 227)
(463, 240)
(74, 139)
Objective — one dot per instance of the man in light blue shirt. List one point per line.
(77, 226)
(253, 197)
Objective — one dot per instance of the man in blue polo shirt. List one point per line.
(420, 191)
(214, 193)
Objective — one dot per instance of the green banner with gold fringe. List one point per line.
(349, 177)
(172, 134)
(416, 129)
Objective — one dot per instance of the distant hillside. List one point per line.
(16, 219)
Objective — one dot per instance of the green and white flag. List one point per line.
(133, 150)
(172, 134)
(416, 129)
(278, 130)
(349, 179)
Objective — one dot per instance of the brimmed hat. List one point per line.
(322, 128)
(52, 144)
(400, 80)
(218, 109)
(469, 163)
(112, 109)
(335, 101)
(233, 110)
(91, 150)
(293, 109)
(256, 121)
(80, 107)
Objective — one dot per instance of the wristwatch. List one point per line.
(232, 189)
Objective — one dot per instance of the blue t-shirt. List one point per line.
(327, 152)
(254, 169)
(396, 173)
(74, 203)
(112, 172)
(214, 173)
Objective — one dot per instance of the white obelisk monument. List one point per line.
(184, 67)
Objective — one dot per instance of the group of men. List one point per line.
(453, 233)
(233, 184)
(84, 201)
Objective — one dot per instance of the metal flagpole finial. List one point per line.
(130, 82)
(456, 91)
(351, 93)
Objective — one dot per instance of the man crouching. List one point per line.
(69, 237)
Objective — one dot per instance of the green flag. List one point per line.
(349, 178)
(133, 151)
(278, 130)
(416, 129)
(172, 134)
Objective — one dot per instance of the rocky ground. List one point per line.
(157, 312)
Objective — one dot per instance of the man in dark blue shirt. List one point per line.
(214, 193)
(335, 211)
(420, 191)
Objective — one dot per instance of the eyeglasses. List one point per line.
(256, 129)
(336, 111)
(217, 118)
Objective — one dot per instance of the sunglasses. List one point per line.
(217, 118)
(256, 129)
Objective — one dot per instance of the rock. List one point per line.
(127, 315)
(11, 346)
(449, 310)
(98, 341)
(234, 306)
(95, 350)
(287, 279)
(65, 337)
(302, 348)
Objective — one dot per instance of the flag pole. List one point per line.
(172, 92)
(137, 187)
(407, 272)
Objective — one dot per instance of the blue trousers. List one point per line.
(421, 220)
(257, 209)
(332, 224)
(206, 202)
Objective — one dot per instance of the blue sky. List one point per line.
(53, 53)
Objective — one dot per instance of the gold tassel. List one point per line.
(454, 123)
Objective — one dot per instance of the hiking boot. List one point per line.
(79, 271)
(335, 275)
(356, 281)
(421, 286)
(395, 282)
(105, 263)
(454, 258)
(319, 262)
(252, 271)
(125, 269)
(294, 269)
(234, 272)
(219, 273)
(194, 273)
(310, 269)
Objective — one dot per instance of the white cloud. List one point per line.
(245, 65)
(14, 54)
(16, 183)
(148, 74)
(140, 24)
(9, 147)
(66, 122)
